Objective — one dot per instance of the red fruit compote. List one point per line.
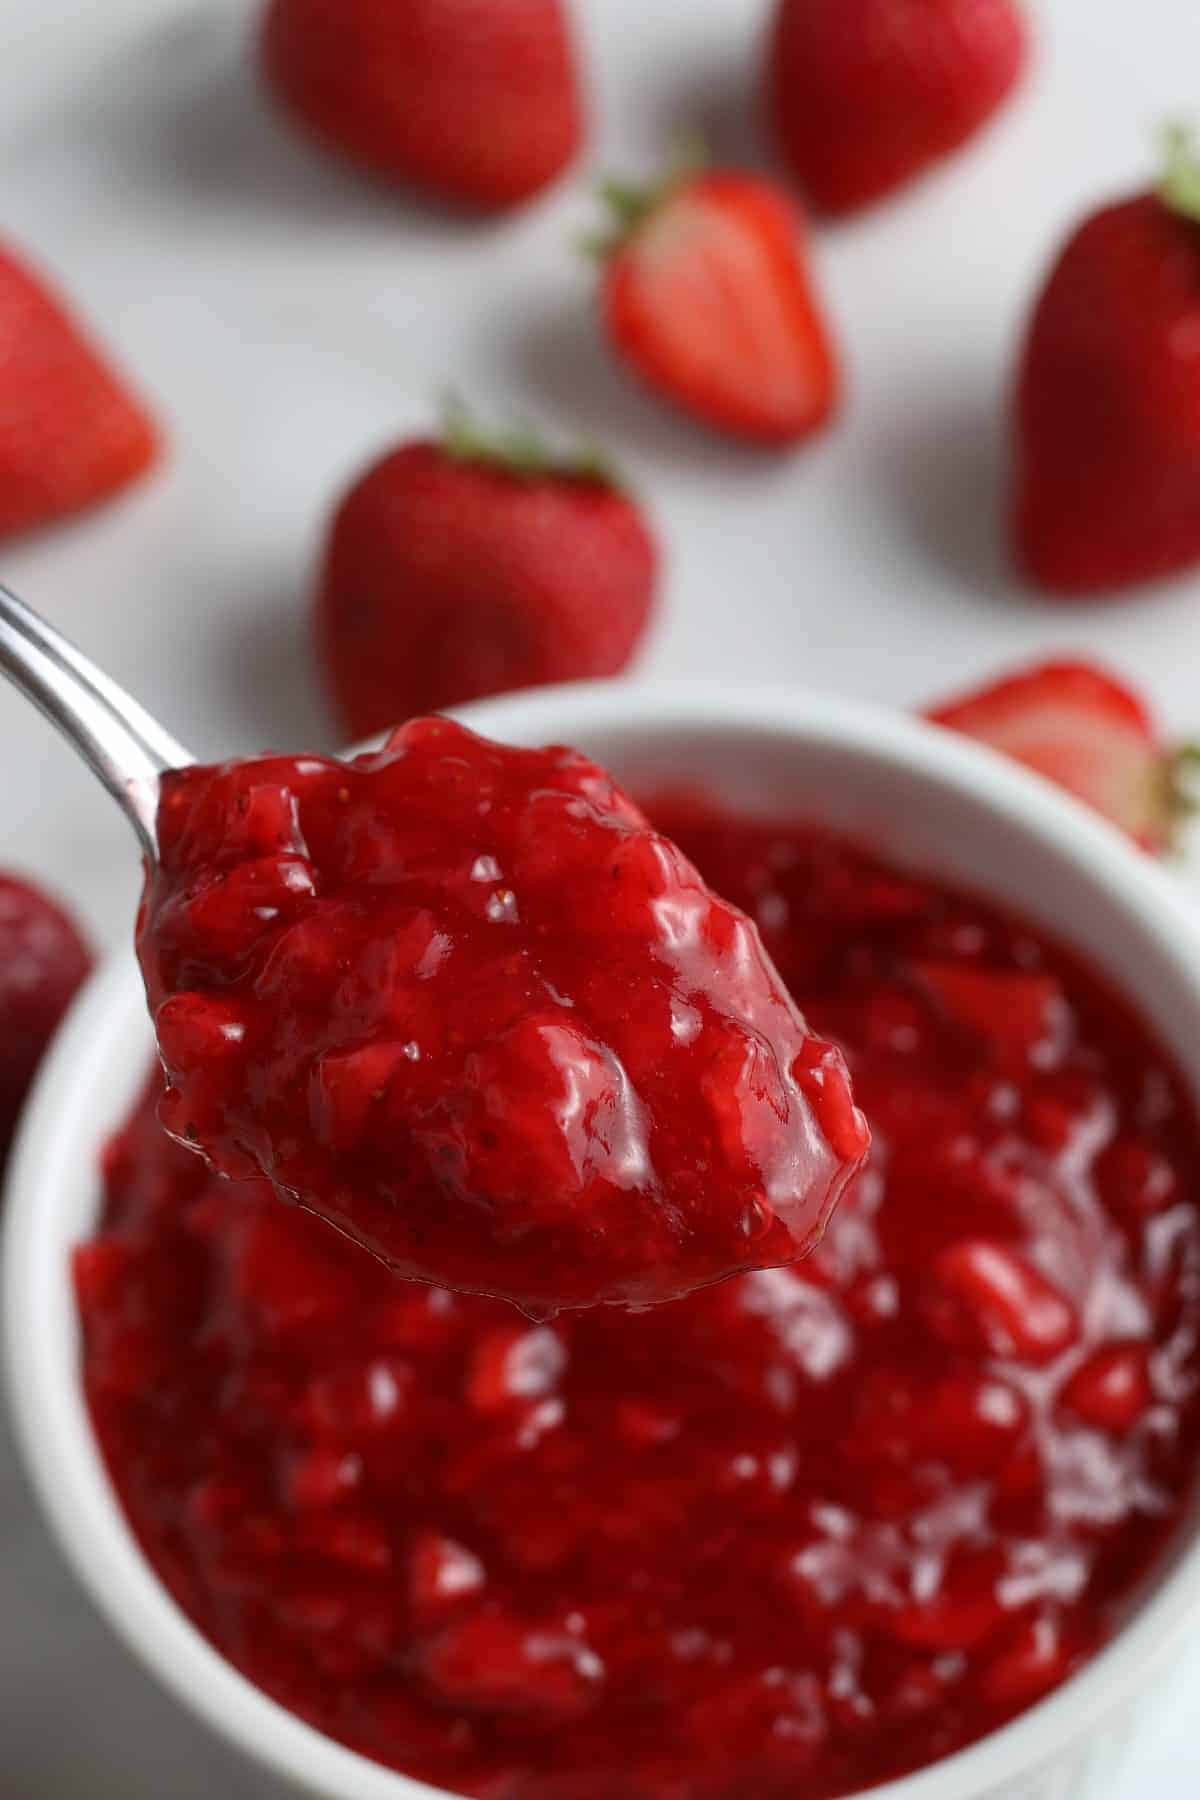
(463, 1002)
(783, 1538)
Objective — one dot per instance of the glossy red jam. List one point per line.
(460, 1000)
(776, 1541)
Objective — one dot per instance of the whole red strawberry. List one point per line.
(476, 100)
(43, 959)
(866, 94)
(1108, 399)
(1087, 731)
(466, 567)
(71, 433)
(707, 294)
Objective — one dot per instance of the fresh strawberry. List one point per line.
(1086, 731)
(43, 959)
(707, 294)
(475, 100)
(1108, 398)
(466, 567)
(866, 94)
(71, 434)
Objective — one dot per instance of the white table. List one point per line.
(288, 321)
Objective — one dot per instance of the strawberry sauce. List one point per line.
(463, 1002)
(786, 1537)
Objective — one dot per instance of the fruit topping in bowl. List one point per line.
(790, 1536)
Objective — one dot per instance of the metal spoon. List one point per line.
(116, 737)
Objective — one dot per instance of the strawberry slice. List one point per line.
(707, 294)
(1087, 731)
(70, 432)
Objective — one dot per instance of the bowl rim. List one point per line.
(52, 1425)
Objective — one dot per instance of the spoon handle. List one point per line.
(115, 736)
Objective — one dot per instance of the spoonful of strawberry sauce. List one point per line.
(461, 1000)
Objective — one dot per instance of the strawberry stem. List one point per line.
(1180, 187)
(520, 450)
(629, 204)
(1183, 782)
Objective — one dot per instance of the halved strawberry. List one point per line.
(1088, 732)
(707, 293)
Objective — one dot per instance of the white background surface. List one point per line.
(287, 321)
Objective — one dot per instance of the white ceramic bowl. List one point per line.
(922, 795)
